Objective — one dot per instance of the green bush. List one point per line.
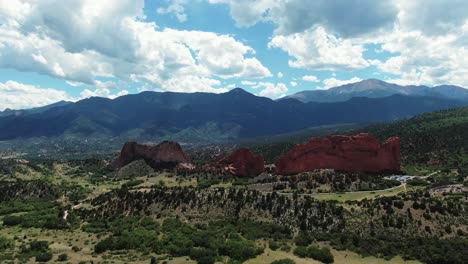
(62, 257)
(41, 246)
(205, 243)
(48, 218)
(254, 230)
(324, 255)
(43, 256)
(76, 249)
(284, 261)
(240, 250)
(203, 255)
(6, 243)
(301, 252)
(285, 248)
(104, 245)
(303, 239)
(12, 220)
(273, 245)
(11, 207)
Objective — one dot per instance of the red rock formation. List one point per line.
(360, 153)
(243, 163)
(163, 156)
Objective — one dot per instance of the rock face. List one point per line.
(166, 155)
(360, 153)
(244, 163)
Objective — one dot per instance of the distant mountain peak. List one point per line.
(367, 84)
(238, 90)
(372, 80)
(375, 88)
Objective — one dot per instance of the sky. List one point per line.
(52, 50)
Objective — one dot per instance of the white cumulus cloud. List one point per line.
(333, 82)
(247, 12)
(344, 17)
(321, 51)
(175, 7)
(271, 90)
(310, 78)
(248, 83)
(15, 95)
(426, 59)
(80, 41)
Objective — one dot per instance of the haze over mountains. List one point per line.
(373, 88)
(20, 112)
(199, 117)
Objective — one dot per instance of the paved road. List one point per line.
(341, 193)
(403, 184)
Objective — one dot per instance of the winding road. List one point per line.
(402, 185)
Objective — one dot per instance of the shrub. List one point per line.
(324, 255)
(301, 252)
(12, 220)
(62, 257)
(76, 248)
(203, 256)
(273, 245)
(43, 256)
(104, 245)
(39, 245)
(240, 250)
(284, 261)
(5, 243)
(303, 239)
(285, 248)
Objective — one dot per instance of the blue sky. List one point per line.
(69, 50)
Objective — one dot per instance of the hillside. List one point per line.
(438, 138)
(55, 210)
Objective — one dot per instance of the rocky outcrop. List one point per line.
(243, 163)
(360, 153)
(166, 155)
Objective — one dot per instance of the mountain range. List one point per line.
(207, 117)
(373, 88)
(35, 110)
